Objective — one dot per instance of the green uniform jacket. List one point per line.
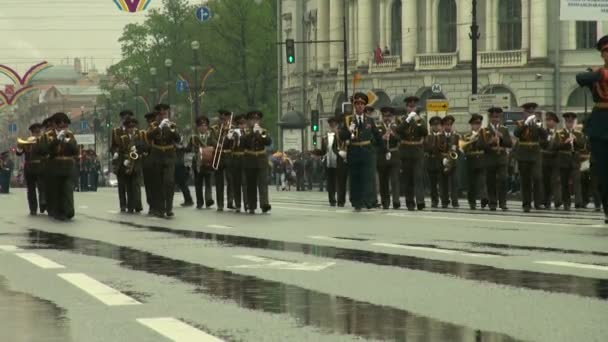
(126, 144)
(35, 158)
(549, 149)
(162, 143)
(194, 144)
(225, 160)
(255, 149)
(569, 155)
(496, 154)
(62, 154)
(474, 151)
(435, 148)
(528, 147)
(412, 139)
(366, 142)
(393, 147)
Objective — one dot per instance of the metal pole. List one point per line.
(345, 46)
(280, 72)
(108, 120)
(474, 35)
(557, 77)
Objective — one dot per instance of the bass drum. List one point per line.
(206, 154)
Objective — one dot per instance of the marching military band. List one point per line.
(390, 157)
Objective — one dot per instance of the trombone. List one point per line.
(219, 147)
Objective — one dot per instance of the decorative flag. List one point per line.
(132, 6)
(356, 78)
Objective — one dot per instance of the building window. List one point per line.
(509, 25)
(395, 47)
(586, 34)
(446, 32)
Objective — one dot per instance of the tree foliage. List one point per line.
(238, 42)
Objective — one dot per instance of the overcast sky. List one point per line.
(52, 30)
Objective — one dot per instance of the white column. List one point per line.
(322, 33)
(526, 22)
(465, 17)
(428, 48)
(352, 26)
(336, 29)
(382, 23)
(538, 26)
(409, 31)
(364, 31)
(489, 34)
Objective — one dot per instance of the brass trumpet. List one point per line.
(465, 142)
(29, 141)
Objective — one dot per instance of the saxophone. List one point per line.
(132, 155)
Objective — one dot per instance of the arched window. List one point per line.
(577, 98)
(586, 34)
(395, 46)
(509, 25)
(447, 30)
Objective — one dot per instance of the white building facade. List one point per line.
(429, 44)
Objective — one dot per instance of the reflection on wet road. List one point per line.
(333, 314)
(26, 318)
(582, 286)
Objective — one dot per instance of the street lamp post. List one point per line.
(195, 66)
(168, 65)
(153, 90)
(136, 83)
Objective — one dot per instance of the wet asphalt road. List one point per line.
(306, 272)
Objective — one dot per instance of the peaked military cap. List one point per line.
(255, 114)
(476, 118)
(131, 122)
(552, 116)
(332, 120)
(530, 105)
(150, 116)
(161, 106)
(448, 119)
(35, 126)
(202, 119)
(126, 112)
(411, 98)
(569, 115)
(360, 97)
(223, 112)
(435, 120)
(387, 111)
(495, 110)
(61, 118)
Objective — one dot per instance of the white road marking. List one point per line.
(112, 211)
(573, 264)
(265, 263)
(325, 238)
(102, 292)
(83, 207)
(39, 260)
(470, 219)
(218, 226)
(177, 330)
(435, 250)
(9, 248)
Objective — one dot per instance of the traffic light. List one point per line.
(314, 120)
(290, 49)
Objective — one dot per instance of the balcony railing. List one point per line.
(437, 61)
(352, 65)
(388, 64)
(498, 59)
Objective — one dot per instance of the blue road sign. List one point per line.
(12, 128)
(84, 125)
(203, 14)
(181, 86)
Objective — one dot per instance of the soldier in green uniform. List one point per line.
(62, 149)
(6, 171)
(412, 132)
(48, 130)
(256, 163)
(528, 155)
(202, 168)
(474, 150)
(448, 187)
(130, 164)
(364, 137)
(237, 170)
(222, 173)
(550, 163)
(571, 144)
(434, 150)
(496, 139)
(147, 165)
(162, 137)
(389, 163)
(596, 127)
(34, 169)
(115, 147)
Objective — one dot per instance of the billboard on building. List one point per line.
(584, 10)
